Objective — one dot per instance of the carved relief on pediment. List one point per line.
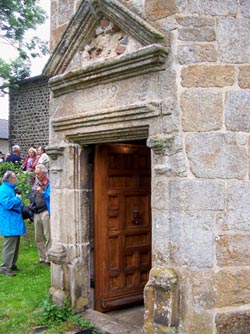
(109, 42)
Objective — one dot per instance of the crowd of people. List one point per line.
(12, 225)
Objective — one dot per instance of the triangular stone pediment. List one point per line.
(101, 31)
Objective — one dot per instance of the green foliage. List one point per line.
(51, 315)
(20, 296)
(16, 18)
(25, 304)
(23, 178)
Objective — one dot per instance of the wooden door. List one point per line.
(122, 179)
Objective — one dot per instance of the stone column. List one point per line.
(161, 294)
(70, 225)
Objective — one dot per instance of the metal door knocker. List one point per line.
(137, 218)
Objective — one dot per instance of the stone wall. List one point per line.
(29, 114)
(202, 228)
(199, 282)
(61, 13)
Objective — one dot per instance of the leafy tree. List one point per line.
(23, 178)
(16, 18)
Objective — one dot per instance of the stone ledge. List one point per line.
(145, 60)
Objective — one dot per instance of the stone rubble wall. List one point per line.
(29, 114)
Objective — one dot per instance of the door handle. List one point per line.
(137, 218)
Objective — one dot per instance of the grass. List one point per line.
(22, 298)
(21, 295)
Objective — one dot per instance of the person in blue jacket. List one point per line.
(11, 223)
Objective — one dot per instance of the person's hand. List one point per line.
(39, 189)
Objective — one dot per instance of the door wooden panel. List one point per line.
(122, 179)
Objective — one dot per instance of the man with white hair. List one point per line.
(15, 156)
(40, 204)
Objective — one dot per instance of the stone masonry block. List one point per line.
(233, 322)
(216, 155)
(202, 110)
(207, 76)
(215, 7)
(160, 232)
(245, 8)
(224, 288)
(244, 77)
(160, 8)
(237, 111)
(233, 40)
(199, 321)
(203, 34)
(196, 195)
(233, 250)
(238, 207)
(192, 234)
(65, 11)
(189, 54)
(160, 192)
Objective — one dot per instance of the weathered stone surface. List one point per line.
(233, 322)
(238, 204)
(224, 288)
(198, 322)
(244, 77)
(216, 7)
(138, 6)
(169, 156)
(216, 155)
(237, 111)
(196, 29)
(55, 36)
(203, 34)
(233, 40)
(29, 104)
(160, 232)
(198, 194)
(192, 234)
(53, 13)
(78, 224)
(233, 250)
(194, 195)
(190, 54)
(160, 8)
(160, 198)
(245, 8)
(202, 110)
(195, 21)
(65, 11)
(207, 76)
(161, 293)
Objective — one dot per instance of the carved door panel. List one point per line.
(122, 179)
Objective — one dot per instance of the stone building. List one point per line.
(4, 135)
(29, 113)
(149, 140)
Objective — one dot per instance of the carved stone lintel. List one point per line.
(160, 142)
(54, 151)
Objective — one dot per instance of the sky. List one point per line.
(37, 63)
